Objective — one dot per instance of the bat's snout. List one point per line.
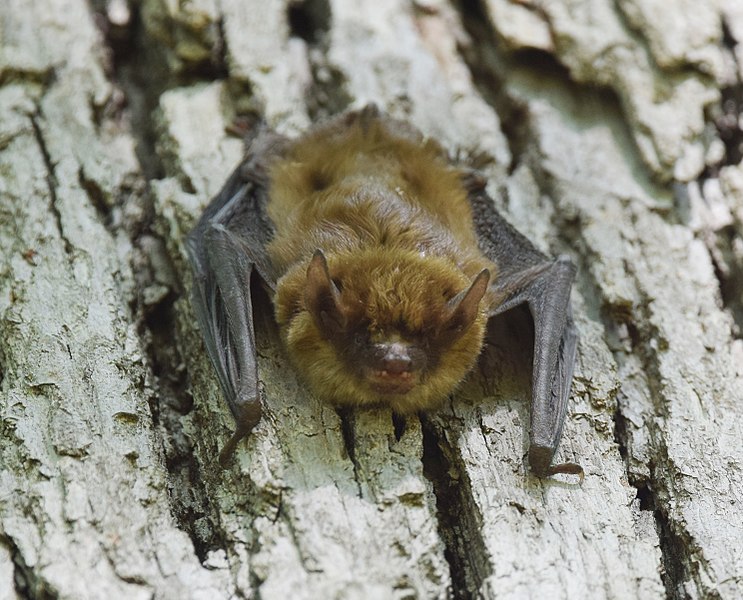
(395, 367)
(398, 366)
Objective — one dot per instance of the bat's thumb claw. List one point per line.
(569, 469)
(247, 418)
(540, 458)
(229, 448)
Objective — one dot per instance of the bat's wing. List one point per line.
(527, 276)
(224, 248)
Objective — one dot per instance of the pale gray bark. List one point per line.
(613, 127)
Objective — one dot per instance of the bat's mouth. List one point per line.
(393, 367)
(386, 382)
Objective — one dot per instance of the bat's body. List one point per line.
(395, 227)
(385, 263)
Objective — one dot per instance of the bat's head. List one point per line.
(383, 326)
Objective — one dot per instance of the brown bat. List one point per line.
(384, 263)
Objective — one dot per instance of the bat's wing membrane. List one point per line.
(527, 276)
(224, 248)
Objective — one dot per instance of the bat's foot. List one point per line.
(367, 115)
(473, 181)
(243, 127)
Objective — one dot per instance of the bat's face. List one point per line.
(383, 326)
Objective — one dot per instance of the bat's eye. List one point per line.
(455, 328)
(319, 181)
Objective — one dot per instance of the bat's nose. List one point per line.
(397, 360)
(394, 368)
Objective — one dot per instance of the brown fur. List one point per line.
(393, 220)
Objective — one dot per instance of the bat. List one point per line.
(384, 262)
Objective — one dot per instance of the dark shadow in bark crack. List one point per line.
(139, 66)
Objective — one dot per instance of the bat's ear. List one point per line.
(464, 306)
(322, 297)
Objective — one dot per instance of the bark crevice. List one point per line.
(27, 583)
(455, 516)
(311, 20)
(680, 555)
(484, 66)
(51, 180)
(725, 243)
(138, 62)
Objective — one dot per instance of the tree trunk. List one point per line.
(612, 132)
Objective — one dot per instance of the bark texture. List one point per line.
(610, 130)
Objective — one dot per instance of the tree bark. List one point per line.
(609, 130)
